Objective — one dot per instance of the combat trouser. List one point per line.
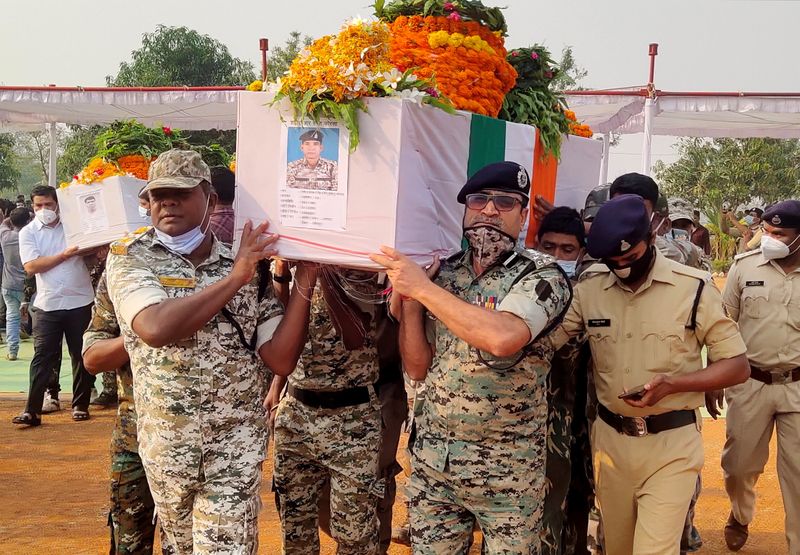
(132, 510)
(342, 445)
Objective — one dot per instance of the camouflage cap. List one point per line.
(594, 200)
(680, 209)
(177, 169)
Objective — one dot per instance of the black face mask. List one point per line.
(636, 270)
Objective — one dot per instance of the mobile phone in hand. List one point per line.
(634, 394)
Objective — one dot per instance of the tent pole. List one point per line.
(604, 162)
(51, 173)
(647, 146)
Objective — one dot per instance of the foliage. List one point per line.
(123, 138)
(79, 148)
(214, 155)
(737, 171)
(539, 108)
(9, 175)
(457, 10)
(570, 74)
(281, 57)
(179, 56)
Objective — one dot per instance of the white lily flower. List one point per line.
(391, 78)
(413, 94)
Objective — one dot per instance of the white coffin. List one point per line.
(102, 212)
(401, 189)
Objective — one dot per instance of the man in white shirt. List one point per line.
(64, 297)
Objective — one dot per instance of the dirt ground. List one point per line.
(53, 498)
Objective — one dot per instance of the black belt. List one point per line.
(331, 399)
(640, 426)
(777, 378)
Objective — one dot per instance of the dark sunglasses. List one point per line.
(503, 203)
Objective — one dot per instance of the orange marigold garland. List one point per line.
(467, 59)
(575, 128)
(135, 165)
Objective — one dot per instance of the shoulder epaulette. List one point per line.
(539, 258)
(121, 246)
(746, 254)
(596, 269)
(689, 271)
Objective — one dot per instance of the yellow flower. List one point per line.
(455, 40)
(256, 85)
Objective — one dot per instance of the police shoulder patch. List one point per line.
(684, 270)
(747, 254)
(540, 259)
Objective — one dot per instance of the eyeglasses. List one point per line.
(503, 203)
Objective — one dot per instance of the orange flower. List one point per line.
(474, 80)
(135, 165)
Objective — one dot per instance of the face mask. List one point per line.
(748, 219)
(186, 243)
(773, 249)
(568, 266)
(488, 244)
(144, 213)
(46, 216)
(636, 270)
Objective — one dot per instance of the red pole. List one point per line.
(653, 51)
(263, 45)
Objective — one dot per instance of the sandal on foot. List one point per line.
(26, 419)
(79, 415)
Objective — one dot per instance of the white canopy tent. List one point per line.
(26, 109)
(686, 114)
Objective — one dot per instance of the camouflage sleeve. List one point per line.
(103, 324)
(539, 299)
(270, 314)
(334, 176)
(132, 286)
(572, 325)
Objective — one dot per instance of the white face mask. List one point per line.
(186, 243)
(568, 266)
(748, 220)
(144, 213)
(46, 216)
(773, 249)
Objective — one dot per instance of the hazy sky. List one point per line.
(722, 45)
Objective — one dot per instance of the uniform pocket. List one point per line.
(754, 302)
(661, 341)
(603, 342)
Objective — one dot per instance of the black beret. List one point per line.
(312, 135)
(500, 176)
(620, 224)
(635, 184)
(783, 214)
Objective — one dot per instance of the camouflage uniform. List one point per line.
(314, 445)
(324, 176)
(132, 509)
(201, 425)
(479, 453)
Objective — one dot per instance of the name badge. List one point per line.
(171, 281)
(600, 323)
(753, 283)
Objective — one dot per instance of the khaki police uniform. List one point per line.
(765, 301)
(644, 484)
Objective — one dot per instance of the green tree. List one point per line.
(740, 172)
(179, 56)
(79, 148)
(570, 74)
(281, 57)
(737, 171)
(9, 174)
